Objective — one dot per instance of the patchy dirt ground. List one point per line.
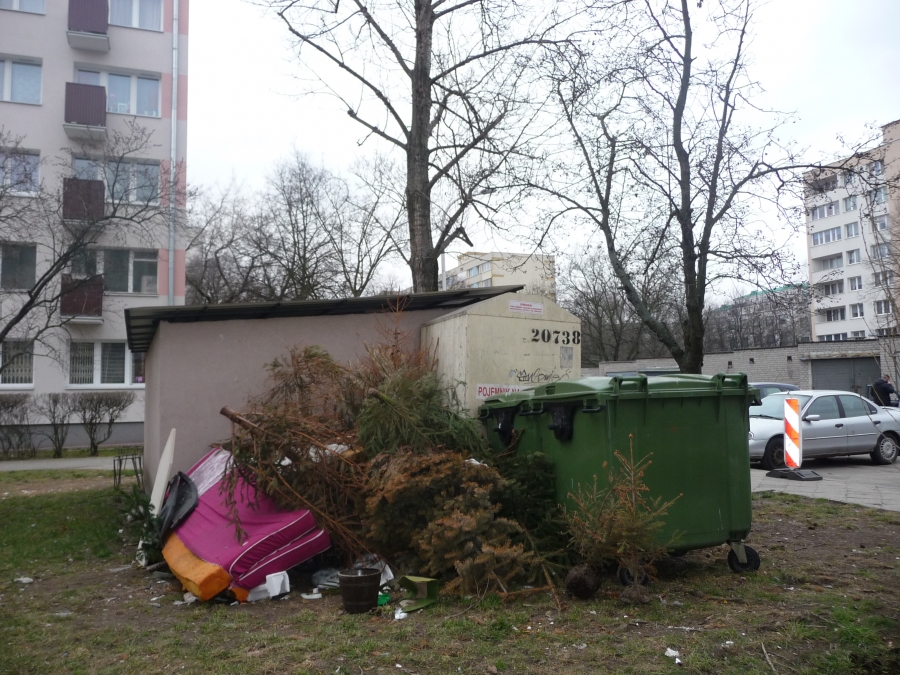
(827, 599)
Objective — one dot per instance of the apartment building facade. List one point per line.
(93, 104)
(484, 270)
(853, 213)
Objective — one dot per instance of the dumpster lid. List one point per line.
(659, 384)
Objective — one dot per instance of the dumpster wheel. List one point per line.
(738, 567)
(626, 578)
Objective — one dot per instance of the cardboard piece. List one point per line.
(422, 592)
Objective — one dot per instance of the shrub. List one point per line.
(98, 412)
(16, 440)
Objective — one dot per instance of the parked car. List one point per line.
(768, 388)
(832, 423)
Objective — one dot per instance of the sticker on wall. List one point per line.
(566, 357)
(523, 307)
(486, 391)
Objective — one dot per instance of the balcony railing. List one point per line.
(88, 25)
(85, 111)
(82, 298)
(83, 199)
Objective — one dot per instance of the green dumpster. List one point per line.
(695, 426)
(509, 419)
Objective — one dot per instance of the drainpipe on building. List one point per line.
(443, 272)
(173, 154)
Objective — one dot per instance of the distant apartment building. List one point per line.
(483, 270)
(95, 94)
(853, 213)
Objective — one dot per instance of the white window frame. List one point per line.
(472, 272)
(855, 283)
(852, 229)
(98, 368)
(833, 288)
(879, 223)
(16, 7)
(135, 16)
(132, 100)
(833, 337)
(879, 195)
(854, 256)
(835, 314)
(826, 236)
(875, 168)
(882, 307)
(6, 386)
(880, 251)
(849, 204)
(857, 310)
(6, 64)
(5, 177)
(858, 334)
(100, 173)
(132, 253)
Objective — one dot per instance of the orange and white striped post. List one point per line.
(793, 439)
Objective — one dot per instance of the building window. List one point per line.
(884, 278)
(834, 288)
(146, 14)
(17, 362)
(875, 168)
(826, 236)
(878, 196)
(485, 267)
(124, 271)
(473, 271)
(103, 363)
(834, 337)
(856, 311)
(882, 307)
(20, 172)
(126, 94)
(135, 182)
(849, 204)
(33, 6)
(855, 283)
(852, 230)
(879, 223)
(853, 256)
(830, 263)
(858, 334)
(836, 314)
(486, 283)
(20, 81)
(17, 266)
(824, 211)
(880, 251)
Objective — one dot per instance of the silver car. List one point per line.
(832, 423)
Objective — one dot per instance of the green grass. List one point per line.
(103, 451)
(27, 477)
(68, 543)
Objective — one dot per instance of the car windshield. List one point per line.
(773, 406)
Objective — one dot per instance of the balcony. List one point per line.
(83, 199)
(81, 300)
(88, 24)
(85, 118)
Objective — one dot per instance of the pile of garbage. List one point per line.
(374, 459)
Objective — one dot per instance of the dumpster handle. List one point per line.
(533, 411)
(599, 408)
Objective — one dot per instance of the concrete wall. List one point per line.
(193, 369)
(496, 343)
(791, 365)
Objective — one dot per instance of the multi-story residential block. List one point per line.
(483, 270)
(853, 213)
(93, 102)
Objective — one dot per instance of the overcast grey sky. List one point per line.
(833, 62)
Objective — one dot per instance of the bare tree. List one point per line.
(49, 238)
(445, 83)
(98, 411)
(661, 165)
(764, 318)
(56, 408)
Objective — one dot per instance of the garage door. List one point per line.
(845, 374)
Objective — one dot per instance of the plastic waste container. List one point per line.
(695, 426)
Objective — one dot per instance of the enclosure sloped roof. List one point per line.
(141, 322)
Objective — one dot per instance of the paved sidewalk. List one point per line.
(854, 480)
(61, 463)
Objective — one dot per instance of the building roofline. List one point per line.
(141, 322)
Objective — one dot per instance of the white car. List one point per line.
(832, 423)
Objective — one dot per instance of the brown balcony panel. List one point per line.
(81, 297)
(89, 16)
(85, 104)
(83, 199)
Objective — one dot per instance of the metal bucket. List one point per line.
(359, 589)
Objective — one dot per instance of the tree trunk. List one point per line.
(423, 260)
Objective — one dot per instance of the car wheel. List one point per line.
(752, 561)
(773, 457)
(885, 451)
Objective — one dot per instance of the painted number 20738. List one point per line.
(557, 337)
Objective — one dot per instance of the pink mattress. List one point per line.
(274, 539)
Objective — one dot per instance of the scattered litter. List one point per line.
(326, 578)
(398, 615)
(155, 604)
(156, 598)
(286, 596)
(278, 584)
(189, 598)
(383, 599)
(675, 603)
(178, 602)
(475, 462)
(686, 629)
(727, 643)
(24, 580)
(422, 592)
(677, 662)
(63, 614)
(258, 593)
(580, 646)
(121, 568)
(671, 653)
(593, 612)
(311, 596)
